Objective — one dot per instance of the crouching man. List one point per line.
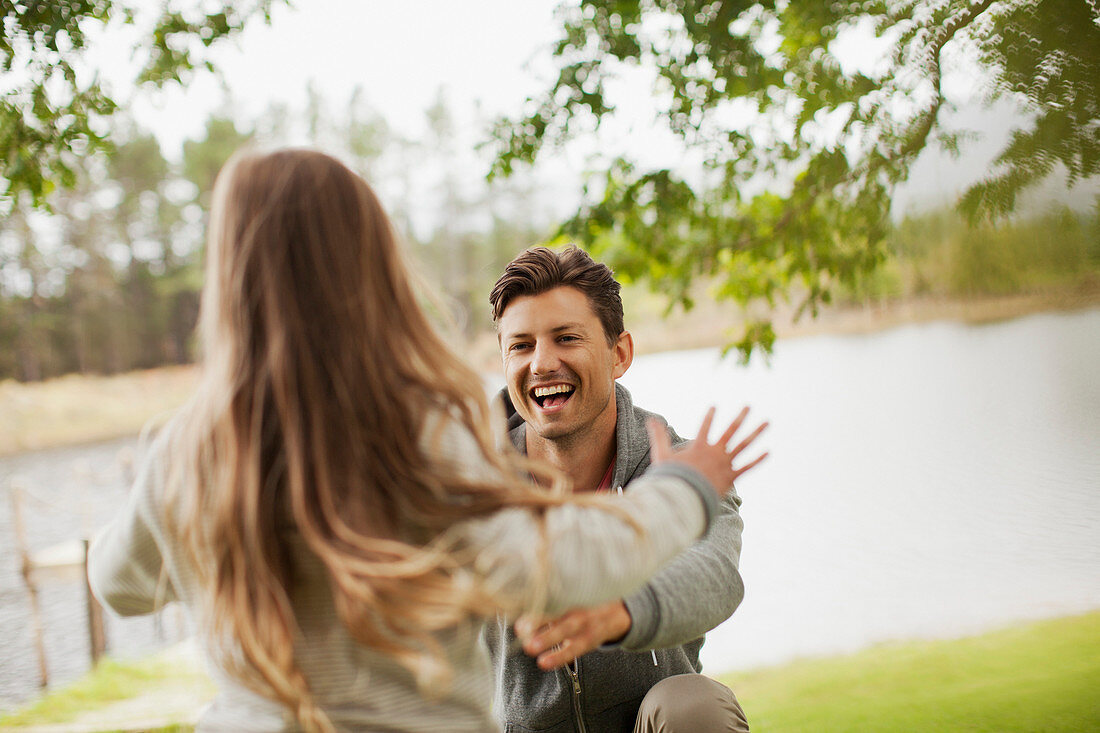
(631, 665)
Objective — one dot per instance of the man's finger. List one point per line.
(752, 436)
(569, 650)
(560, 656)
(544, 639)
(527, 626)
(704, 429)
(554, 633)
(734, 426)
(747, 466)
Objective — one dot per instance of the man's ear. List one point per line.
(622, 354)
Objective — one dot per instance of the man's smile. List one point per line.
(551, 397)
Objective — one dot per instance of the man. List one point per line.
(631, 665)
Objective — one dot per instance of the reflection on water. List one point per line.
(931, 480)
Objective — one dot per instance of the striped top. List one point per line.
(595, 557)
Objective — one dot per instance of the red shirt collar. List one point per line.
(605, 482)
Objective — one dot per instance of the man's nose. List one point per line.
(545, 359)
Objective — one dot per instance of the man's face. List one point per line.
(559, 367)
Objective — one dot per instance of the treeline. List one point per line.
(939, 254)
(108, 279)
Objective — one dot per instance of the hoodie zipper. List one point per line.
(574, 671)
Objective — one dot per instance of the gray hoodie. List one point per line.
(695, 592)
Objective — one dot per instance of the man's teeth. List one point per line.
(553, 389)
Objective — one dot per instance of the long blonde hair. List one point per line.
(319, 367)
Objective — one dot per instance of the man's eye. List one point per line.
(569, 338)
(517, 347)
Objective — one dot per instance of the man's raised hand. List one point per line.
(714, 460)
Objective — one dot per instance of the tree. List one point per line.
(800, 149)
(203, 159)
(105, 277)
(54, 106)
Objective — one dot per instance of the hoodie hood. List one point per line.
(631, 436)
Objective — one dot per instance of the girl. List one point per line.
(330, 505)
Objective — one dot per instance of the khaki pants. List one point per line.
(690, 703)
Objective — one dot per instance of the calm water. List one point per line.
(928, 481)
(70, 492)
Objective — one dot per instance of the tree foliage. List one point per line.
(801, 148)
(54, 106)
(106, 276)
(109, 279)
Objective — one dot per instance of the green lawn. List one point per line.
(1040, 677)
(156, 693)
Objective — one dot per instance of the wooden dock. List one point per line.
(66, 561)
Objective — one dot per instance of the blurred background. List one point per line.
(876, 223)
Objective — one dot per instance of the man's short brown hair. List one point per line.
(540, 269)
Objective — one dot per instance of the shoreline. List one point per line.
(76, 410)
(885, 315)
(711, 325)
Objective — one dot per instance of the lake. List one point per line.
(933, 480)
(928, 481)
(69, 493)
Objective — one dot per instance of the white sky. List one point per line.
(492, 53)
(400, 53)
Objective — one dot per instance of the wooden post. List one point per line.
(97, 633)
(32, 589)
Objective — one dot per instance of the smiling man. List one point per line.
(631, 665)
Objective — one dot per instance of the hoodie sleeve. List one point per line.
(695, 592)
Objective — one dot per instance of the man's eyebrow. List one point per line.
(568, 327)
(556, 329)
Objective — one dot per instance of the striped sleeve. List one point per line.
(125, 562)
(595, 554)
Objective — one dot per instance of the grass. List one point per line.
(82, 408)
(1040, 677)
(172, 681)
